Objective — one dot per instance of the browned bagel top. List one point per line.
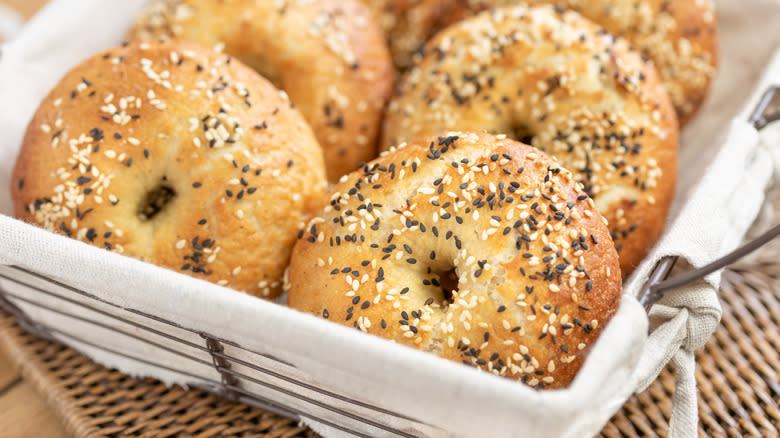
(536, 275)
(176, 155)
(328, 55)
(408, 24)
(680, 37)
(574, 91)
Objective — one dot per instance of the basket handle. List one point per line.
(657, 290)
(767, 111)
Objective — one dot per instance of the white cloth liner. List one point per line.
(10, 22)
(708, 219)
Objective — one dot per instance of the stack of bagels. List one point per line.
(528, 160)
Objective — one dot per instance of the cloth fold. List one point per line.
(684, 319)
(685, 411)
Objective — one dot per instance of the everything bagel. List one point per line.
(558, 81)
(409, 23)
(680, 37)
(328, 55)
(474, 247)
(175, 155)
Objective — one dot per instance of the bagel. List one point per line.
(536, 277)
(679, 36)
(555, 79)
(328, 55)
(175, 155)
(408, 24)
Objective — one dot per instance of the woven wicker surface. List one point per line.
(738, 374)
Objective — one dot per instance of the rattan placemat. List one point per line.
(737, 372)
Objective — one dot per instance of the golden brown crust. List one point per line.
(328, 55)
(538, 276)
(583, 96)
(408, 24)
(679, 36)
(131, 120)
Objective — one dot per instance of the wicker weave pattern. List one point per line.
(93, 401)
(738, 374)
(737, 371)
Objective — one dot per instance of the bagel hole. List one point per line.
(448, 280)
(156, 200)
(521, 133)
